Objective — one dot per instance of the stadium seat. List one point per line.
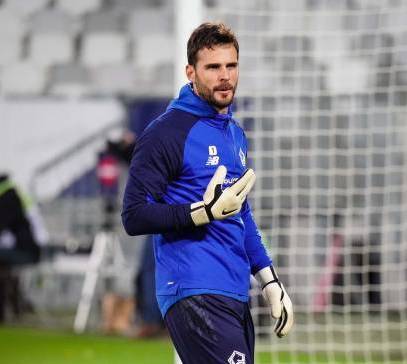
(53, 21)
(24, 7)
(103, 48)
(10, 24)
(150, 50)
(51, 48)
(163, 78)
(10, 49)
(104, 21)
(23, 78)
(129, 5)
(79, 8)
(151, 21)
(114, 78)
(70, 90)
(69, 80)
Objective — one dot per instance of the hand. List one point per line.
(218, 204)
(281, 307)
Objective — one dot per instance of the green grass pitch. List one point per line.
(26, 346)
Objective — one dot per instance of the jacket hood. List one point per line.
(190, 102)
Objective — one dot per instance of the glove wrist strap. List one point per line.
(199, 214)
(267, 276)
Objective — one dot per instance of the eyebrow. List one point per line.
(210, 65)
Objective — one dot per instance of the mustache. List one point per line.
(224, 87)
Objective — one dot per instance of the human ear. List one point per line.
(190, 72)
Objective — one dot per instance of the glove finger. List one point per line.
(217, 179)
(273, 294)
(276, 309)
(280, 323)
(242, 195)
(284, 324)
(241, 183)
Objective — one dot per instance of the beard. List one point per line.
(209, 94)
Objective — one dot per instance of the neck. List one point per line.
(223, 110)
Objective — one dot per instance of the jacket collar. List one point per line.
(190, 102)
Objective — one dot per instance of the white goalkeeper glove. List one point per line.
(277, 298)
(218, 204)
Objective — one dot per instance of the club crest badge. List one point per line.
(237, 358)
(242, 157)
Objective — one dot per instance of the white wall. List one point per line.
(33, 132)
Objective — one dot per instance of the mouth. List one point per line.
(224, 92)
(225, 88)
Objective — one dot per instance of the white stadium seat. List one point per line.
(69, 80)
(79, 7)
(150, 21)
(25, 7)
(10, 49)
(128, 5)
(103, 48)
(104, 21)
(163, 78)
(51, 48)
(114, 78)
(153, 49)
(53, 21)
(11, 25)
(70, 90)
(23, 78)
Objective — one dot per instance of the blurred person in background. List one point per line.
(188, 183)
(22, 233)
(130, 307)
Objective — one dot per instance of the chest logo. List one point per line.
(242, 157)
(213, 158)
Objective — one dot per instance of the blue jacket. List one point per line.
(172, 164)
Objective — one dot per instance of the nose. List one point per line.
(224, 74)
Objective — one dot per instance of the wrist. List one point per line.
(199, 214)
(266, 276)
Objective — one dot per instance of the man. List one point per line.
(188, 184)
(132, 291)
(18, 243)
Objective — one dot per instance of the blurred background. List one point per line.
(322, 97)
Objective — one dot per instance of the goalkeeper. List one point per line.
(187, 184)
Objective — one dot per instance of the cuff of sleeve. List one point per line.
(187, 221)
(266, 275)
(198, 214)
(256, 269)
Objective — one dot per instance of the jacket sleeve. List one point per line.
(255, 249)
(156, 161)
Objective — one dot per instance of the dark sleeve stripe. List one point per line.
(157, 160)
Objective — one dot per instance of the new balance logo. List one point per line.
(212, 161)
(237, 358)
(213, 158)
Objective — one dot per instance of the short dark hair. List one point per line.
(208, 35)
